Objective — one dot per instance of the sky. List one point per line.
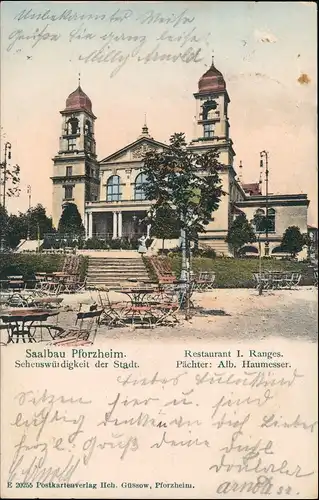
(265, 50)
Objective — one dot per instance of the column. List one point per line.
(119, 222)
(90, 214)
(86, 224)
(114, 225)
(148, 230)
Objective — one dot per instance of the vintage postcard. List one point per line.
(158, 250)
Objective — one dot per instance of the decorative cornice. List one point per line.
(76, 158)
(79, 110)
(208, 93)
(147, 140)
(258, 202)
(58, 179)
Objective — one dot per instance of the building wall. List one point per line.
(59, 199)
(287, 215)
(127, 174)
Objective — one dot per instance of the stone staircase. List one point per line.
(114, 272)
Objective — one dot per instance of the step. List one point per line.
(103, 259)
(115, 278)
(115, 267)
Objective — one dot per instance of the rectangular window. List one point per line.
(209, 130)
(113, 193)
(69, 171)
(71, 144)
(68, 195)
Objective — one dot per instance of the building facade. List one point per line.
(109, 194)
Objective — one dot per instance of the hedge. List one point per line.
(27, 265)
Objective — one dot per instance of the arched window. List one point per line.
(140, 181)
(209, 110)
(259, 218)
(261, 214)
(113, 192)
(73, 126)
(271, 219)
(87, 128)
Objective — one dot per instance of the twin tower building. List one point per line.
(108, 192)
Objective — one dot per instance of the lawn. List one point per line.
(238, 273)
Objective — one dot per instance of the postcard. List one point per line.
(158, 250)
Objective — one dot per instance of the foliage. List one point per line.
(37, 221)
(240, 232)
(165, 223)
(187, 182)
(70, 220)
(261, 223)
(204, 252)
(11, 175)
(3, 225)
(293, 241)
(113, 244)
(34, 223)
(27, 265)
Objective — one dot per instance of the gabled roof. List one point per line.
(252, 188)
(140, 140)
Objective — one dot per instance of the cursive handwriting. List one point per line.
(235, 428)
(107, 38)
(259, 467)
(172, 442)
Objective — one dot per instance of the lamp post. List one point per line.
(29, 214)
(264, 154)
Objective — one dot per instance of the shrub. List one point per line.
(27, 265)
(94, 244)
(115, 244)
(205, 252)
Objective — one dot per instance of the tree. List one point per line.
(33, 223)
(189, 184)
(293, 241)
(15, 230)
(70, 221)
(165, 223)
(3, 226)
(37, 222)
(240, 232)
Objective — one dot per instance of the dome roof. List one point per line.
(212, 81)
(78, 100)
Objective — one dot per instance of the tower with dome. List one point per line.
(75, 167)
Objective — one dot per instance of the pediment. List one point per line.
(134, 151)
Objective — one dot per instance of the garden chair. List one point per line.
(205, 281)
(113, 313)
(295, 278)
(84, 330)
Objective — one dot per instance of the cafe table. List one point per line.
(23, 324)
(137, 295)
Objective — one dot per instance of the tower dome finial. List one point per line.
(212, 80)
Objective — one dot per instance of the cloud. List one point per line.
(264, 37)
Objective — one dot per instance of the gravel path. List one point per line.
(227, 314)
